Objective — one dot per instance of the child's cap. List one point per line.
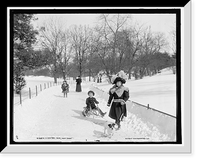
(91, 92)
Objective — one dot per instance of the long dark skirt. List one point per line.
(117, 111)
(78, 88)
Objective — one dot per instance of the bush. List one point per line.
(19, 81)
(42, 72)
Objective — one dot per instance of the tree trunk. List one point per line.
(55, 79)
(147, 72)
(136, 75)
(155, 71)
(64, 75)
(109, 78)
(129, 75)
(80, 69)
(89, 75)
(141, 72)
(55, 76)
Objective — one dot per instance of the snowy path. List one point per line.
(51, 117)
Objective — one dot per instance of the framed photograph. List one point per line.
(98, 79)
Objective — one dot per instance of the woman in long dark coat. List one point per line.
(78, 84)
(118, 95)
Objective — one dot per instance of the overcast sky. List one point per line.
(158, 22)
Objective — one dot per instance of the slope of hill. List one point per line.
(158, 91)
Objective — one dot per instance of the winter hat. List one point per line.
(91, 92)
(120, 76)
(119, 79)
(113, 78)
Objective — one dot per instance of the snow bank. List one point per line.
(158, 91)
(41, 78)
(51, 117)
(134, 128)
(146, 121)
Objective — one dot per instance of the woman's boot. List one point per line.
(118, 124)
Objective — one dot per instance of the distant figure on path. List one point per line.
(78, 84)
(65, 88)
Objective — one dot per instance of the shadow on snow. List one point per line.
(93, 120)
(100, 122)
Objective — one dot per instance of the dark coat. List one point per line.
(78, 85)
(78, 80)
(90, 102)
(65, 87)
(117, 110)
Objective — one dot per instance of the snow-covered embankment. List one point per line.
(146, 123)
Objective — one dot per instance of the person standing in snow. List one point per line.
(118, 95)
(78, 84)
(65, 88)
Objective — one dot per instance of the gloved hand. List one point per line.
(122, 103)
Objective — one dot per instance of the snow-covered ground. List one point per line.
(51, 117)
(158, 91)
(32, 81)
(39, 81)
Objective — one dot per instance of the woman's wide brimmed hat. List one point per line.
(119, 79)
(120, 76)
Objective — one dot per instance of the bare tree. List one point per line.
(108, 32)
(99, 47)
(65, 56)
(113, 24)
(51, 38)
(173, 47)
(152, 43)
(131, 47)
(80, 40)
(173, 38)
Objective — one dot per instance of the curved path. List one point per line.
(51, 117)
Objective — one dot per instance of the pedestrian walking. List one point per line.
(78, 84)
(118, 95)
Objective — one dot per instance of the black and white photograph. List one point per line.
(95, 76)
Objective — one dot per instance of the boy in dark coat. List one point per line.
(65, 88)
(119, 95)
(91, 104)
